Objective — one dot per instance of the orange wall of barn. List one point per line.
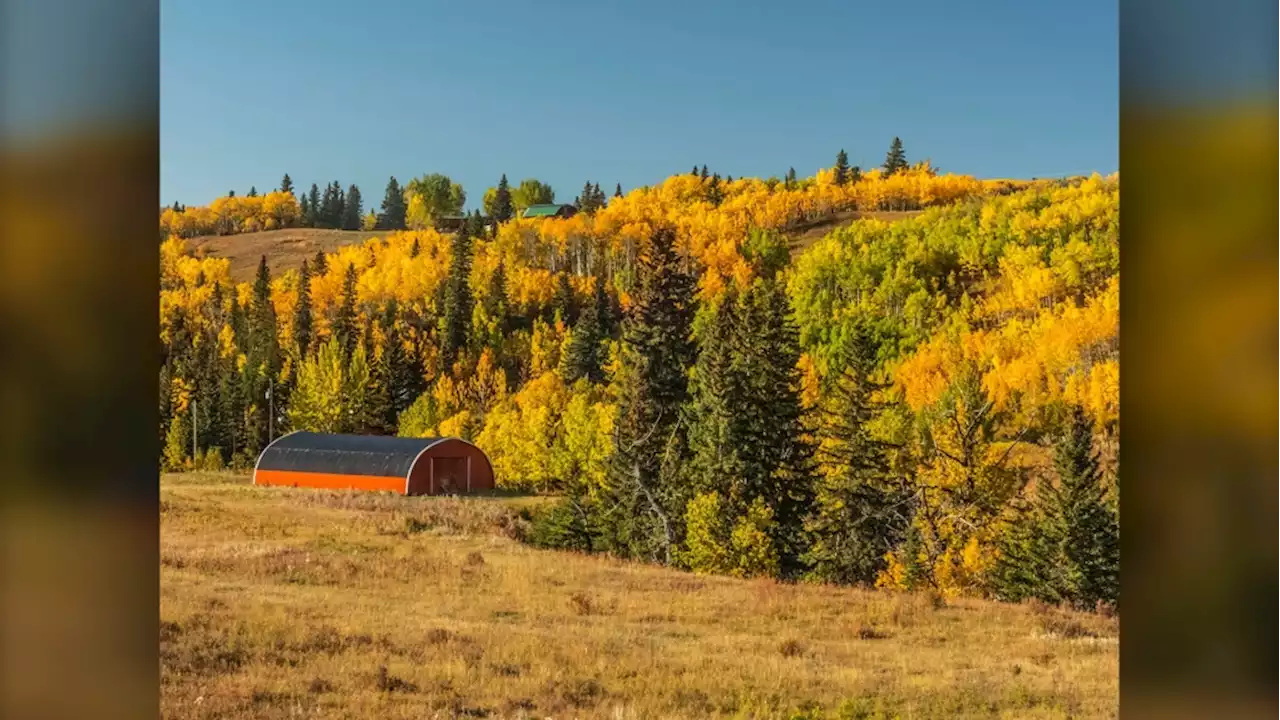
(332, 481)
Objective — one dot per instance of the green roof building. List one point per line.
(549, 210)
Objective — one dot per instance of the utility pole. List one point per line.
(194, 448)
(271, 415)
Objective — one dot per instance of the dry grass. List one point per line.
(285, 249)
(278, 602)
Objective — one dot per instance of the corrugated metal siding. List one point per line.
(344, 454)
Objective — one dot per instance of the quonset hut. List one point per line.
(409, 466)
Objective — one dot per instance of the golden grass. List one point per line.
(285, 249)
(281, 602)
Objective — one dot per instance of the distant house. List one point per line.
(550, 210)
(446, 223)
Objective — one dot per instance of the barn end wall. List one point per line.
(450, 457)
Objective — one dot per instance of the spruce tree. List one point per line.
(320, 265)
(583, 356)
(286, 184)
(262, 361)
(617, 190)
(790, 181)
(302, 320)
(1066, 547)
(861, 510)
(253, 191)
(1079, 522)
(895, 159)
(344, 321)
(313, 202)
(564, 301)
(455, 323)
(703, 173)
(392, 216)
(646, 506)
(352, 209)
(842, 167)
(231, 193)
(746, 419)
(304, 211)
(339, 206)
(401, 368)
(503, 210)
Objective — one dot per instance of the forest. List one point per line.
(929, 402)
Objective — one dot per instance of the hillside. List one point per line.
(280, 602)
(285, 249)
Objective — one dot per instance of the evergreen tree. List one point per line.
(302, 320)
(231, 193)
(861, 512)
(895, 159)
(320, 265)
(344, 321)
(617, 190)
(352, 209)
(703, 173)
(564, 301)
(262, 360)
(401, 369)
(313, 202)
(915, 567)
(855, 174)
(746, 432)
(694, 172)
(253, 191)
(392, 216)
(842, 167)
(1065, 548)
(455, 323)
(503, 209)
(790, 181)
(414, 249)
(583, 357)
(286, 184)
(646, 503)
(339, 206)
(304, 211)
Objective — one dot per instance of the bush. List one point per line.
(211, 460)
(560, 526)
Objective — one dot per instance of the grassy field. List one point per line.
(279, 602)
(285, 249)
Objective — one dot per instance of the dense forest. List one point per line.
(931, 402)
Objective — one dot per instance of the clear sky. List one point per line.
(626, 92)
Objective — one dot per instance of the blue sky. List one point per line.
(626, 92)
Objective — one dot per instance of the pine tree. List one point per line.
(746, 428)
(286, 184)
(401, 369)
(503, 209)
(842, 167)
(320, 265)
(302, 320)
(617, 190)
(231, 193)
(253, 191)
(895, 159)
(1080, 523)
(861, 513)
(414, 249)
(916, 573)
(352, 209)
(1066, 547)
(263, 361)
(564, 301)
(694, 172)
(392, 216)
(339, 206)
(646, 506)
(583, 357)
(304, 211)
(313, 203)
(790, 181)
(455, 323)
(703, 173)
(344, 321)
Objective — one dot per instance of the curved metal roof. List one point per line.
(344, 454)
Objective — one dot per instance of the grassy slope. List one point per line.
(280, 602)
(284, 249)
